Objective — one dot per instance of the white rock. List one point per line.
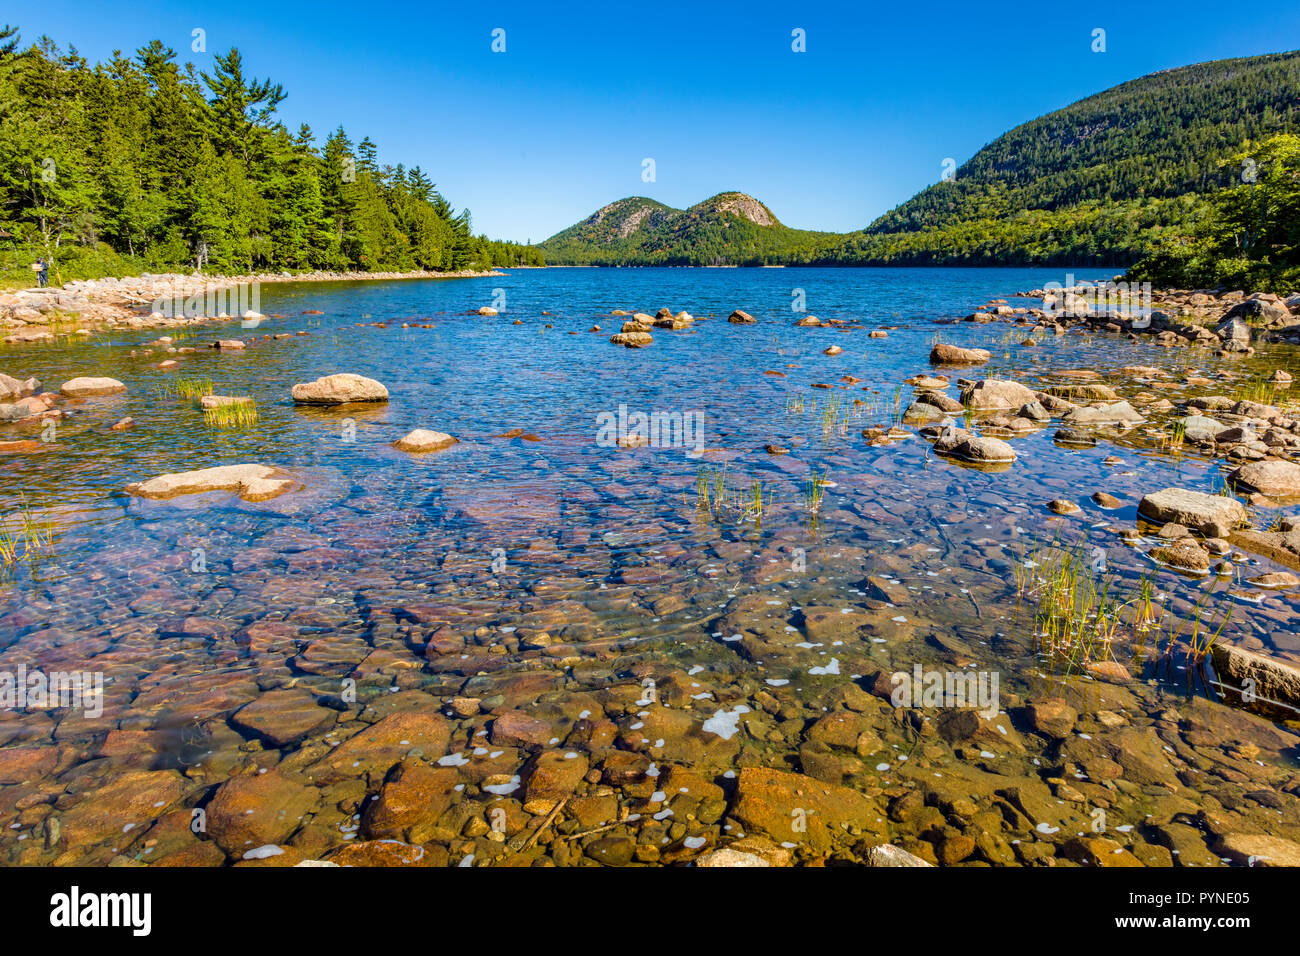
(339, 390)
(83, 387)
(423, 440)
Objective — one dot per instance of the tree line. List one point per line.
(1248, 236)
(142, 164)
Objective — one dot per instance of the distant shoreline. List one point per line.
(131, 301)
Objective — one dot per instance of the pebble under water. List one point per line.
(536, 648)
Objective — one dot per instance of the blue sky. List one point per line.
(538, 137)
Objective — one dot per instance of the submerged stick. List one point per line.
(555, 811)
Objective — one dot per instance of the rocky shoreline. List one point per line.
(1223, 320)
(82, 307)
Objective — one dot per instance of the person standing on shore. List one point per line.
(43, 273)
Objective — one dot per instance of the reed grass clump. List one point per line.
(719, 499)
(25, 536)
(1257, 389)
(187, 388)
(1081, 611)
(233, 415)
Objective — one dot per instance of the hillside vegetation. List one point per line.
(142, 164)
(1105, 181)
(727, 229)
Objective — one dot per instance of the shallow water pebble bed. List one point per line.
(532, 647)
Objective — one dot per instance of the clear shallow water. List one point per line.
(533, 574)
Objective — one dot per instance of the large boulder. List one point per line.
(959, 443)
(1260, 312)
(921, 413)
(996, 394)
(340, 389)
(1214, 516)
(250, 482)
(940, 401)
(632, 340)
(1115, 413)
(1084, 391)
(87, 387)
(1275, 686)
(681, 320)
(1248, 409)
(11, 388)
(1201, 428)
(1277, 479)
(741, 318)
(1233, 329)
(945, 354)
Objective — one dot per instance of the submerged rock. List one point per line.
(1274, 580)
(217, 401)
(727, 857)
(1258, 849)
(340, 389)
(1185, 555)
(258, 809)
(1086, 391)
(929, 381)
(282, 717)
(1074, 436)
(886, 854)
(740, 318)
(422, 440)
(1280, 546)
(922, 413)
(771, 801)
(250, 482)
(1256, 682)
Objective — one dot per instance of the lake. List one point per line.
(537, 614)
